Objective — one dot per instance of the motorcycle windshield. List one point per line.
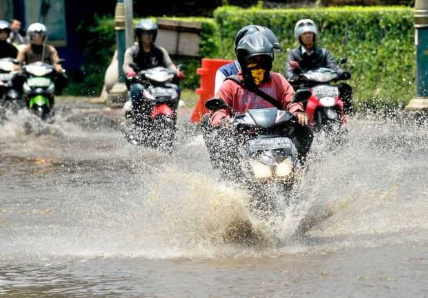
(321, 75)
(6, 65)
(159, 74)
(265, 118)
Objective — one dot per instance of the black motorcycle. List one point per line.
(8, 92)
(262, 155)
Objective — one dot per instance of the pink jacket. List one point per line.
(242, 99)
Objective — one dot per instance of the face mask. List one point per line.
(257, 73)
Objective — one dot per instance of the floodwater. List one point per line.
(85, 214)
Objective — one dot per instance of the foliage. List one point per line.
(378, 42)
(100, 43)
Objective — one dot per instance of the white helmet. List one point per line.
(36, 28)
(305, 25)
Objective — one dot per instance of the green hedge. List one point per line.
(378, 41)
(100, 43)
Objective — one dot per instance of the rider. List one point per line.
(38, 50)
(145, 54)
(233, 68)
(7, 50)
(308, 56)
(255, 56)
(17, 35)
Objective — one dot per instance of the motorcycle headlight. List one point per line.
(284, 169)
(260, 170)
(328, 101)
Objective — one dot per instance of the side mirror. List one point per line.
(134, 66)
(302, 95)
(343, 60)
(216, 103)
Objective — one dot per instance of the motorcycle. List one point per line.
(154, 125)
(266, 156)
(325, 107)
(8, 93)
(39, 88)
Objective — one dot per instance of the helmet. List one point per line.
(146, 25)
(305, 25)
(36, 29)
(256, 28)
(4, 26)
(255, 52)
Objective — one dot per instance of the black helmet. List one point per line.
(256, 28)
(254, 49)
(146, 25)
(4, 26)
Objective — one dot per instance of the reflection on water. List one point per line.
(82, 212)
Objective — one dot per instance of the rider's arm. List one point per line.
(285, 94)
(129, 58)
(167, 62)
(55, 59)
(330, 62)
(291, 74)
(21, 55)
(219, 79)
(226, 91)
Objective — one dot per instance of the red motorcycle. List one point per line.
(325, 108)
(154, 125)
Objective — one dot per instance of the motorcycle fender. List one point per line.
(311, 107)
(162, 109)
(39, 100)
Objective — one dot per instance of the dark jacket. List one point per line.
(156, 57)
(319, 58)
(8, 50)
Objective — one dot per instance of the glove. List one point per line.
(344, 75)
(131, 74)
(180, 74)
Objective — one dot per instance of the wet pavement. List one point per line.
(83, 213)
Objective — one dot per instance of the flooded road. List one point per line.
(85, 214)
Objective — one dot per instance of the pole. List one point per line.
(119, 26)
(420, 102)
(129, 23)
(118, 94)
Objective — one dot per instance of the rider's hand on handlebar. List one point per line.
(302, 118)
(180, 74)
(131, 74)
(220, 121)
(294, 64)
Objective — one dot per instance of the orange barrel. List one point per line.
(206, 90)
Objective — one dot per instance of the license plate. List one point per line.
(5, 76)
(325, 91)
(269, 143)
(38, 82)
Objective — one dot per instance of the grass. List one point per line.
(189, 97)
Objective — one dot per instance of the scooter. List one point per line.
(264, 155)
(8, 92)
(154, 124)
(325, 107)
(39, 88)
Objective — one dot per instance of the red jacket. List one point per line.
(242, 99)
